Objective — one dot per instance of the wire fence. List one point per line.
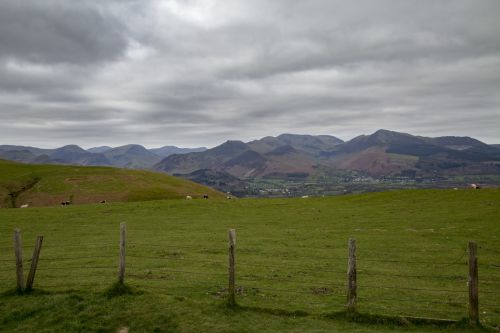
(310, 278)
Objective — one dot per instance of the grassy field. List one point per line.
(291, 264)
(48, 185)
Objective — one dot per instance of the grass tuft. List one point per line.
(404, 321)
(120, 289)
(275, 312)
(12, 292)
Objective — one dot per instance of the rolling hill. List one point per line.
(46, 185)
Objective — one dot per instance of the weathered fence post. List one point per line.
(473, 283)
(232, 289)
(351, 277)
(18, 250)
(121, 269)
(34, 263)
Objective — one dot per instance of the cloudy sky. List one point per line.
(199, 72)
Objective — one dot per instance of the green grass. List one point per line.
(56, 183)
(291, 263)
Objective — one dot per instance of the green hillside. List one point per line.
(290, 264)
(46, 185)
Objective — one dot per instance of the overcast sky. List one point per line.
(199, 72)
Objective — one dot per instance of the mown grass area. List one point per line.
(291, 264)
(46, 185)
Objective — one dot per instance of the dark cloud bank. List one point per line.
(196, 73)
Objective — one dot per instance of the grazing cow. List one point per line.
(228, 197)
(305, 197)
(205, 196)
(475, 186)
(103, 201)
(188, 197)
(65, 203)
(24, 206)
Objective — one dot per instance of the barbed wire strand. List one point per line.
(361, 286)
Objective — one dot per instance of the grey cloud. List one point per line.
(46, 117)
(313, 35)
(46, 82)
(59, 32)
(165, 72)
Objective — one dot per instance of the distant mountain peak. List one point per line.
(171, 150)
(71, 149)
(385, 131)
(291, 135)
(311, 144)
(330, 138)
(386, 136)
(230, 147)
(233, 143)
(131, 156)
(288, 137)
(135, 149)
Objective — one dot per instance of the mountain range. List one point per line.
(128, 156)
(288, 156)
(383, 153)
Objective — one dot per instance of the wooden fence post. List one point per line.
(351, 277)
(232, 289)
(18, 250)
(473, 283)
(121, 270)
(34, 263)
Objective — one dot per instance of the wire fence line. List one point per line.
(171, 244)
(204, 270)
(411, 300)
(287, 250)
